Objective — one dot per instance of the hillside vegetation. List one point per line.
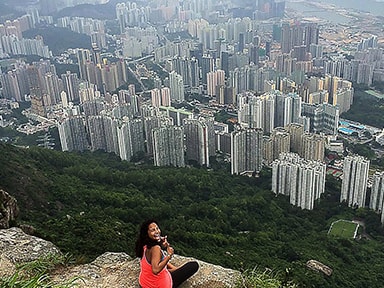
(92, 202)
(59, 39)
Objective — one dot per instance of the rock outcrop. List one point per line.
(8, 209)
(108, 270)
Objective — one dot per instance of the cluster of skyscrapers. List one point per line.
(40, 82)
(92, 27)
(12, 42)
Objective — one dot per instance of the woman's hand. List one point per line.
(168, 246)
(164, 242)
(170, 250)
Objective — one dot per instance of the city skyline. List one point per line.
(286, 89)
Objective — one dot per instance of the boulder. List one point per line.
(17, 247)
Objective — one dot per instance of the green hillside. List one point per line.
(91, 203)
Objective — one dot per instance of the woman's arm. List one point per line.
(171, 267)
(155, 259)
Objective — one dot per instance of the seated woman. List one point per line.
(156, 269)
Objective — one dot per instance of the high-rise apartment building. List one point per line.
(223, 142)
(303, 181)
(103, 133)
(93, 108)
(246, 150)
(37, 105)
(156, 97)
(83, 58)
(188, 68)
(177, 115)
(168, 146)
(256, 111)
(296, 131)
(52, 87)
(124, 140)
(176, 85)
(150, 123)
(199, 140)
(165, 97)
(301, 34)
(268, 150)
(73, 135)
(313, 147)
(355, 178)
(71, 86)
(137, 136)
(207, 65)
(377, 194)
(287, 109)
(281, 141)
(323, 117)
(215, 79)
(250, 111)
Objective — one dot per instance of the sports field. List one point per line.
(344, 228)
(375, 94)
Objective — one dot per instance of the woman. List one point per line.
(156, 269)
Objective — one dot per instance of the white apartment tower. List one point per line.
(246, 150)
(199, 140)
(303, 181)
(168, 146)
(377, 194)
(176, 84)
(214, 80)
(165, 97)
(73, 135)
(250, 111)
(355, 177)
(156, 97)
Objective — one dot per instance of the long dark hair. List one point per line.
(143, 238)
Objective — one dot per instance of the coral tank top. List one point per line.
(148, 279)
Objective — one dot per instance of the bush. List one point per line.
(259, 278)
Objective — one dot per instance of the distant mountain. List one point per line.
(7, 12)
(101, 11)
(59, 39)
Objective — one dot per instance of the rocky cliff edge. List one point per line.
(108, 270)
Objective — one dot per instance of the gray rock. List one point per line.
(116, 270)
(18, 247)
(8, 209)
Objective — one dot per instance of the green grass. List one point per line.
(343, 228)
(263, 278)
(36, 274)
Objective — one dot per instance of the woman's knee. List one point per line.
(193, 266)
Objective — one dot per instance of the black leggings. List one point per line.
(184, 272)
